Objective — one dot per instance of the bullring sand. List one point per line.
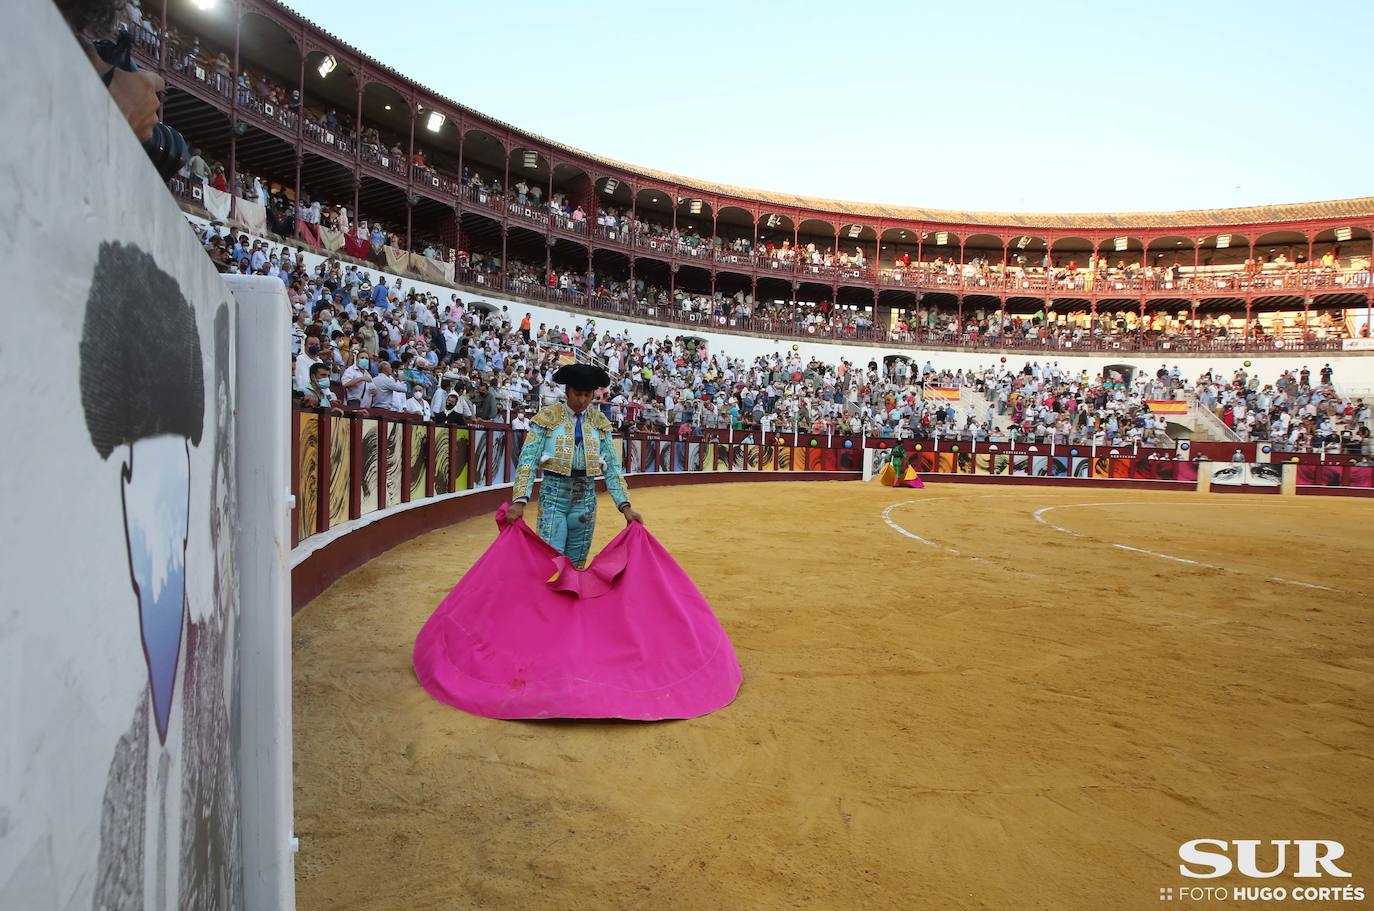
(1009, 712)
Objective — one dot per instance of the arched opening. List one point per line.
(611, 277)
(572, 198)
(654, 220)
(857, 253)
(775, 248)
(1280, 251)
(479, 250)
(273, 81)
(1119, 263)
(434, 166)
(529, 174)
(984, 266)
(734, 236)
(939, 248)
(652, 278)
(695, 228)
(897, 253)
(897, 312)
(526, 259)
(1071, 265)
(386, 130)
(329, 105)
(613, 202)
(484, 170)
(816, 253)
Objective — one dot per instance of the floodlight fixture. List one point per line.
(436, 121)
(327, 66)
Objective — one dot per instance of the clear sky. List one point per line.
(962, 104)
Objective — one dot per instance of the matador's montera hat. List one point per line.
(582, 377)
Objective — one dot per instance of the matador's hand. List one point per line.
(514, 513)
(631, 515)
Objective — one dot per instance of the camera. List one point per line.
(166, 148)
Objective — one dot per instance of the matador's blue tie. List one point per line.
(577, 431)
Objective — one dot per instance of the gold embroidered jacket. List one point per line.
(549, 445)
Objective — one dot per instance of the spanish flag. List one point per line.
(1166, 406)
(941, 393)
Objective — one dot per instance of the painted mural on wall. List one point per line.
(177, 800)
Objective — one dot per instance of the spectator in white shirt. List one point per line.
(390, 392)
(357, 382)
(417, 406)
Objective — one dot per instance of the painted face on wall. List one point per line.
(156, 497)
(148, 412)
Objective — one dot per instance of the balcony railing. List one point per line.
(526, 211)
(480, 196)
(379, 157)
(1081, 283)
(564, 223)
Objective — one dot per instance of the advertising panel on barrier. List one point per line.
(1358, 344)
(119, 777)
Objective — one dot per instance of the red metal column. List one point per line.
(358, 150)
(162, 48)
(233, 102)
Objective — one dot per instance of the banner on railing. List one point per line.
(397, 260)
(357, 247)
(1357, 344)
(941, 393)
(252, 215)
(331, 240)
(217, 202)
(1167, 406)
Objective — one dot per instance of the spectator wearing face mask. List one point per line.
(359, 391)
(305, 361)
(417, 406)
(317, 392)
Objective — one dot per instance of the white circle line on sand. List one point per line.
(887, 517)
(891, 523)
(1040, 517)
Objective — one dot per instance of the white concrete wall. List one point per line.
(119, 781)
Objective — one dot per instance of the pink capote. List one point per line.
(525, 634)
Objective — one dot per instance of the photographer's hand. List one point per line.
(138, 95)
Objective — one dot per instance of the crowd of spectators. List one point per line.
(1293, 412)
(369, 341)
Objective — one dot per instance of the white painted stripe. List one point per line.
(1039, 515)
